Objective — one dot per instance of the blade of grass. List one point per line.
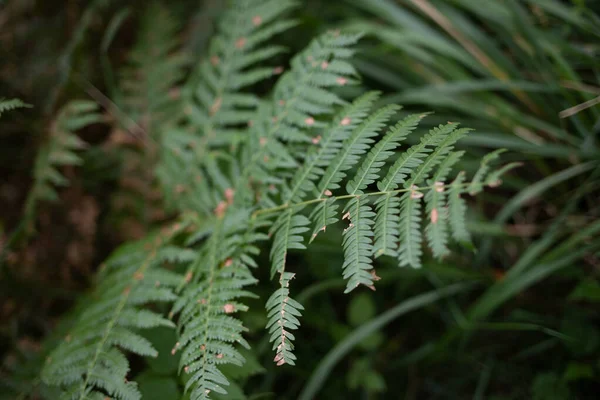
(529, 193)
(511, 285)
(325, 367)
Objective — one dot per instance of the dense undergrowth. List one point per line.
(192, 150)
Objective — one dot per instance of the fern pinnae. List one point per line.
(214, 104)
(387, 225)
(457, 209)
(476, 184)
(493, 178)
(436, 230)
(357, 244)
(368, 171)
(290, 89)
(388, 222)
(409, 251)
(328, 145)
(12, 104)
(356, 145)
(323, 215)
(282, 310)
(282, 313)
(208, 329)
(413, 157)
(88, 361)
(435, 157)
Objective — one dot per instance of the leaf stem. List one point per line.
(285, 206)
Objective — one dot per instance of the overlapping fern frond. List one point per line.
(149, 83)
(213, 292)
(216, 104)
(12, 104)
(58, 151)
(149, 101)
(90, 363)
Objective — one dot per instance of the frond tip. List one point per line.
(12, 104)
(282, 315)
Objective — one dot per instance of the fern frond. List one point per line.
(409, 252)
(217, 104)
(286, 116)
(287, 231)
(282, 310)
(155, 67)
(60, 150)
(323, 215)
(12, 104)
(211, 296)
(90, 362)
(327, 146)
(436, 230)
(214, 103)
(493, 178)
(457, 210)
(282, 313)
(387, 228)
(357, 244)
(356, 145)
(368, 172)
(477, 182)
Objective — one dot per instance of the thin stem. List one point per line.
(285, 206)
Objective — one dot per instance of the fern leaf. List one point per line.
(213, 100)
(357, 244)
(287, 231)
(387, 225)
(148, 83)
(457, 210)
(413, 158)
(368, 172)
(356, 145)
(436, 230)
(282, 314)
(12, 104)
(437, 155)
(282, 310)
(476, 184)
(493, 178)
(212, 293)
(89, 361)
(387, 228)
(59, 150)
(287, 115)
(409, 252)
(323, 215)
(328, 145)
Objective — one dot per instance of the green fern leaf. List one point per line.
(356, 145)
(89, 362)
(282, 314)
(368, 172)
(285, 116)
(328, 145)
(287, 231)
(476, 184)
(457, 210)
(12, 104)
(436, 230)
(357, 244)
(323, 215)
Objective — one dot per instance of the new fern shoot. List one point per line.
(242, 170)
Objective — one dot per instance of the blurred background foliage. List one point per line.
(524, 73)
